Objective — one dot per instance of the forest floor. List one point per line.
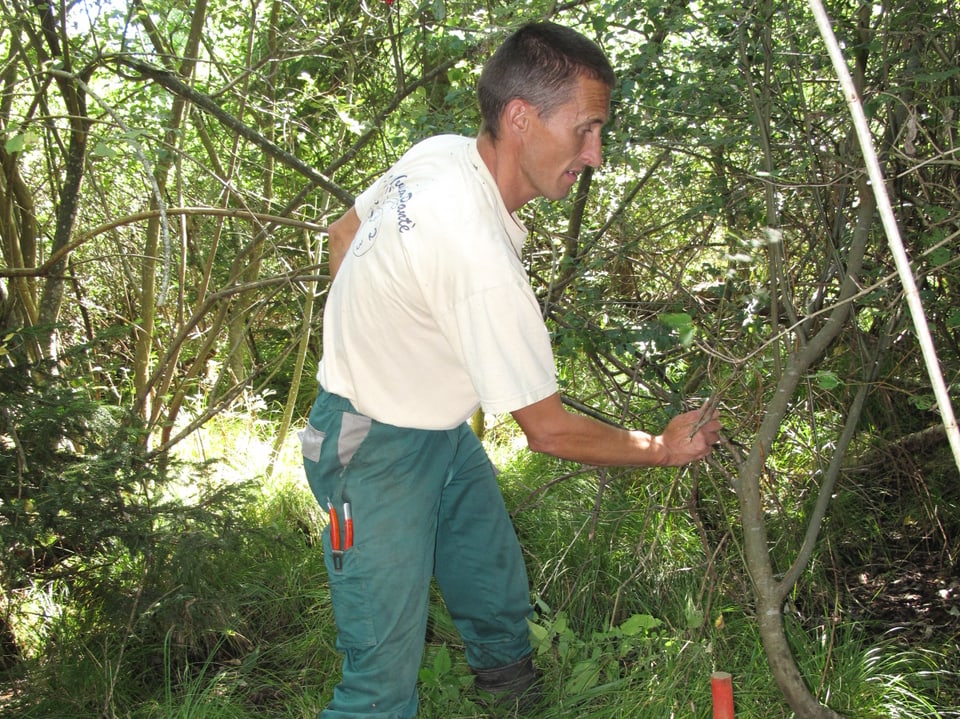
(916, 595)
(900, 562)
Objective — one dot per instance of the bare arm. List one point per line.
(551, 429)
(341, 233)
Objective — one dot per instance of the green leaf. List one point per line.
(442, 662)
(827, 380)
(540, 637)
(682, 323)
(6, 342)
(20, 142)
(639, 624)
(940, 256)
(694, 614)
(15, 144)
(676, 320)
(102, 149)
(953, 319)
(585, 675)
(933, 77)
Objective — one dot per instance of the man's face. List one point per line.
(557, 148)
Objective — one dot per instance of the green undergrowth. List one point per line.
(224, 613)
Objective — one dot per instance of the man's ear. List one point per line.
(517, 114)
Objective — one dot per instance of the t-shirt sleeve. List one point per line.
(363, 202)
(505, 347)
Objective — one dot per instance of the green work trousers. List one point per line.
(425, 504)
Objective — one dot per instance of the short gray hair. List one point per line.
(538, 63)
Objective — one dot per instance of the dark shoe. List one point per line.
(513, 688)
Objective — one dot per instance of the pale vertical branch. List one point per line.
(891, 228)
(309, 296)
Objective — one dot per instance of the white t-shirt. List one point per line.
(431, 314)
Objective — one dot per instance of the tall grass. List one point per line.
(224, 613)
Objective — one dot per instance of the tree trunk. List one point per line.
(144, 333)
(770, 593)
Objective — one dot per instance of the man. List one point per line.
(430, 316)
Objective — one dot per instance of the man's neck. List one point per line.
(501, 161)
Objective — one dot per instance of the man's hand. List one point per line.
(552, 430)
(691, 436)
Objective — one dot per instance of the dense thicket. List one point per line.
(167, 169)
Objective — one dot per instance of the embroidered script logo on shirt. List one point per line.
(394, 201)
(364, 243)
(404, 194)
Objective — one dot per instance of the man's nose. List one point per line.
(592, 151)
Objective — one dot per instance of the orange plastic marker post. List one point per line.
(721, 686)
